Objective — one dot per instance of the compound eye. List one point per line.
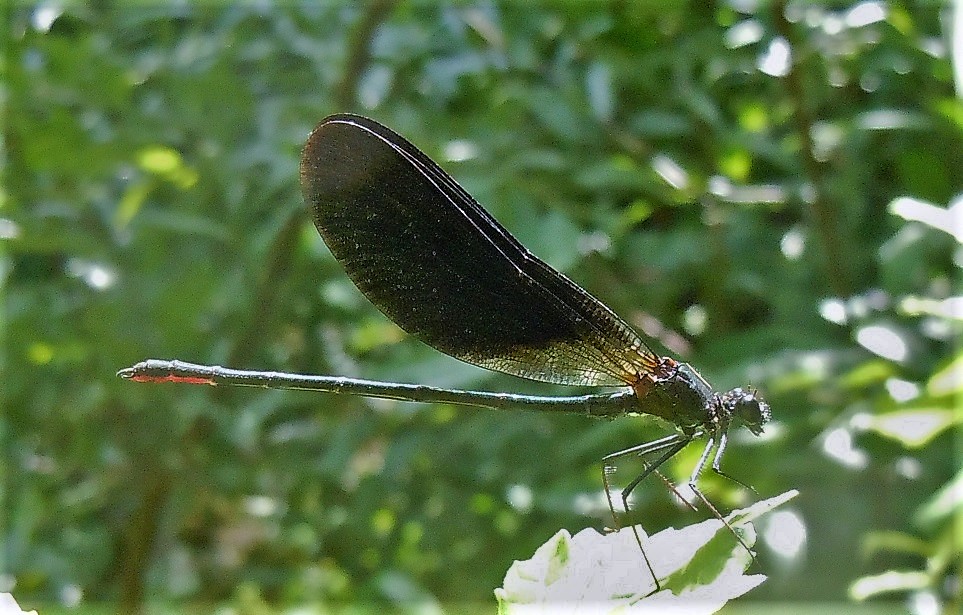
(750, 409)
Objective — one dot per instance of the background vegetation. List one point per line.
(761, 188)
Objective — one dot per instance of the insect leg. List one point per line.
(723, 441)
(695, 488)
(671, 445)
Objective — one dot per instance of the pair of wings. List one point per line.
(436, 263)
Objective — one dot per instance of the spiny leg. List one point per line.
(671, 445)
(618, 526)
(695, 487)
(674, 443)
(650, 468)
(641, 450)
(717, 460)
(671, 487)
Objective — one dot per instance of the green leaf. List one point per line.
(948, 380)
(887, 582)
(945, 503)
(913, 427)
(699, 564)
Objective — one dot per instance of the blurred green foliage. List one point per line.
(762, 188)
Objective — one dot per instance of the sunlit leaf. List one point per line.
(913, 427)
(888, 582)
(945, 219)
(946, 502)
(701, 567)
(867, 373)
(875, 542)
(9, 606)
(948, 380)
(132, 201)
(159, 160)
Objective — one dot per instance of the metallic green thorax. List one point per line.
(684, 399)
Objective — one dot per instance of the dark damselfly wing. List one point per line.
(437, 264)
